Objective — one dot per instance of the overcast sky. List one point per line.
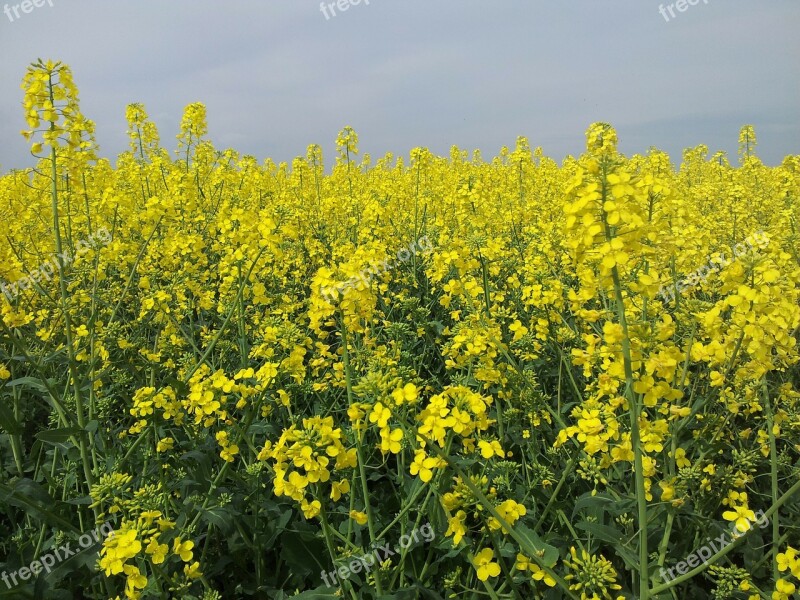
(277, 75)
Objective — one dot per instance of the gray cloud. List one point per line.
(277, 76)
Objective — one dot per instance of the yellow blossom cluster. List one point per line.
(305, 457)
(256, 370)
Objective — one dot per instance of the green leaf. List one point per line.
(31, 382)
(57, 436)
(301, 552)
(612, 536)
(317, 594)
(219, 517)
(602, 532)
(548, 553)
(31, 497)
(16, 593)
(589, 501)
(83, 500)
(7, 420)
(407, 594)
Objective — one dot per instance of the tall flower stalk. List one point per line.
(51, 97)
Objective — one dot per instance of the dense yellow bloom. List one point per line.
(371, 338)
(118, 548)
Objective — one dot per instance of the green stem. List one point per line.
(360, 450)
(73, 372)
(635, 414)
(697, 570)
(567, 471)
(326, 529)
(773, 466)
(524, 543)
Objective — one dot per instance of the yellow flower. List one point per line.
(310, 509)
(623, 452)
(408, 393)
(484, 565)
(358, 517)
(518, 329)
(338, 488)
(147, 517)
(789, 561)
(667, 491)
(783, 590)
(347, 459)
(135, 581)
(424, 465)
(183, 549)
(537, 573)
(489, 449)
(165, 525)
(390, 440)
(192, 571)
(456, 527)
(511, 511)
(380, 415)
(118, 548)
(228, 452)
(265, 452)
(158, 551)
(680, 458)
(742, 516)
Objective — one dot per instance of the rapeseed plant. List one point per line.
(519, 384)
